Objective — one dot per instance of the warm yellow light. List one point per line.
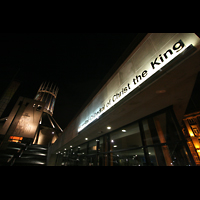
(191, 134)
(94, 148)
(198, 151)
(15, 139)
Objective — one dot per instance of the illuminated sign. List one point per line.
(15, 139)
(145, 73)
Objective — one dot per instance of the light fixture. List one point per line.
(115, 146)
(86, 138)
(70, 146)
(108, 127)
(112, 141)
(53, 133)
(124, 131)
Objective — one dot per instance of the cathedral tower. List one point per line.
(47, 93)
(48, 130)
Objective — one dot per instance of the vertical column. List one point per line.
(162, 140)
(144, 143)
(158, 150)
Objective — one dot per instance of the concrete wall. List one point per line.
(135, 70)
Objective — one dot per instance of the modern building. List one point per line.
(30, 125)
(137, 116)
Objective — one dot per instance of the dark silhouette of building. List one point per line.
(30, 128)
(8, 94)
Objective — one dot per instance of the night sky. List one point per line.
(76, 62)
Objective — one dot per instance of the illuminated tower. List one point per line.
(30, 127)
(49, 130)
(47, 93)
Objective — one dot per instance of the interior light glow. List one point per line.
(108, 127)
(124, 131)
(86, 138)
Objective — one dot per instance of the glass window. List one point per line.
(178, 154)
(128, 158)
(103, 144)
(160, 129)
(92, 147)
(82, 160)
(83, 149)
(152, 156)
(93, 160)
(161, 145)
(103, 160)
(128, 137)
(148, 138)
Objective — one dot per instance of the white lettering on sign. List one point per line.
(155, 66)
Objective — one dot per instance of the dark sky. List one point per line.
(76, 62)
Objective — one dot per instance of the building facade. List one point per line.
(28, 130)
(135, 119)
(23, 121)
(32, 119)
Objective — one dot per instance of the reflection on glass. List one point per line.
(103, 144)
(152, 156)
(83, 149)
(128, 158)
(161, 145)
(126, 139)
(92, 147)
